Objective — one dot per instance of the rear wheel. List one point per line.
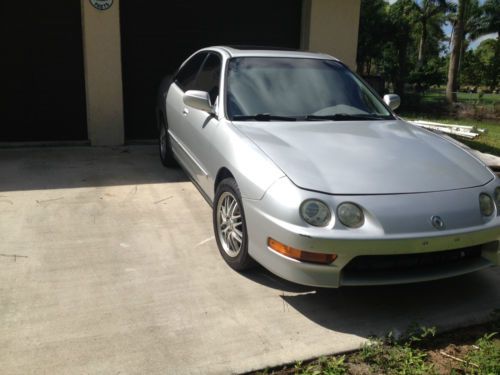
(166, 155)
(230, 226)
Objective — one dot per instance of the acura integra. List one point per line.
(311, 174)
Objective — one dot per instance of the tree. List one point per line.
(472, 69)
(400, 24)
(432, 73)
(487, 54)
(403, 41)
(473, 13)
(429, 11)
(456, 49)
(430, 16)
(371, 44)
(475, 21)
(489, 22)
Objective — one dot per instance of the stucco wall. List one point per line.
(103, 74)
(329, 26)
(332, 28)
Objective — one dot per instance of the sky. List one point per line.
(447, 29)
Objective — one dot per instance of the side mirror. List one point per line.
(199, 100)
(392, 100)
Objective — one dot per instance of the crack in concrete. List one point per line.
(15, 256)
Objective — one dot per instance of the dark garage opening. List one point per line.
(158, 35)
(42, 91)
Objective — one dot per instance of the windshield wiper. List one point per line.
(346, 117)
(263, 117)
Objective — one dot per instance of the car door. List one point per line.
(201, 127)
(177, 111)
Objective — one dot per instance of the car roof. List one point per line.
(265, 51)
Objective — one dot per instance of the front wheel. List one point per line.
(230, 226)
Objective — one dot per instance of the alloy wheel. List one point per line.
(229, 224)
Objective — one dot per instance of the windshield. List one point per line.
(276, 88)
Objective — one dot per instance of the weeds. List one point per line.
(484, 358)
(416, 352)
(325, 366)
(399, 356)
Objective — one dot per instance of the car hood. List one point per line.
(366, 157)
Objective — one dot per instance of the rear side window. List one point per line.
(186, 77)
(209, 77)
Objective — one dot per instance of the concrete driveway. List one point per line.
(108, 265)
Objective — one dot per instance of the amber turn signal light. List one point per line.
(303, 256)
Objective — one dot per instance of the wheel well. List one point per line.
(221, 175)
(161, 119)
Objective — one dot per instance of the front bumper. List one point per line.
(261, 226)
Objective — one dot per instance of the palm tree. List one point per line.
(491, 17)
(473, 13)
(476, 23)
(489, 22)
(429, 11)
(400, 21)
(456, 49)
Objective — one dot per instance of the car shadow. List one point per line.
(74, 167)
(378, 310)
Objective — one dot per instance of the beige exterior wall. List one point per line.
(331, 26)
(103, 74)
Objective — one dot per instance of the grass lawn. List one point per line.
(432, 106)
(438, 95)
(488, 142)
(486, 99)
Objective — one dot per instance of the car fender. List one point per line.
(253, 171)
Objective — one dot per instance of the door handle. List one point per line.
(185, 111)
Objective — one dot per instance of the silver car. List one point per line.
(313, 176)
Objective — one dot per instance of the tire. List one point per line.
(230, 226)
(165, 147)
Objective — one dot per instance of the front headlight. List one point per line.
(486, 204)
(350, 214)
(315, 212)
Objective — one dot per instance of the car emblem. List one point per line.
(437, 222)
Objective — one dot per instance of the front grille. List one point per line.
(407, 262)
